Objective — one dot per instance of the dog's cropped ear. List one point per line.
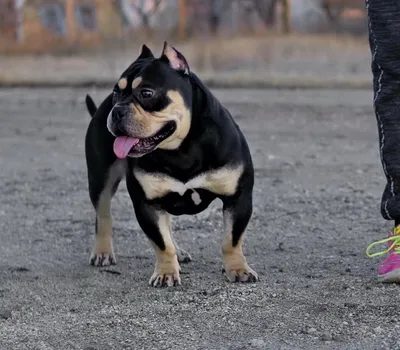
(145, 53)
(175, 59)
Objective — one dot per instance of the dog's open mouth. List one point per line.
(132, 146)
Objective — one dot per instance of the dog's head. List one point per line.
(151, 104)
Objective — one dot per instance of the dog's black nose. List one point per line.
(118, 113)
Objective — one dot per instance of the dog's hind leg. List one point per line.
(183, 255)
(104, 171)
(102, 188)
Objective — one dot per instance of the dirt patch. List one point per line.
(316, 208)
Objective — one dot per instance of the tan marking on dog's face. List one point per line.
(136, 82)
(145, 124)
(123, 83)
(167, 265)
(142, 123)
(222, 181)
(178, 112)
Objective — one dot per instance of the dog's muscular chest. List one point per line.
(195, 192)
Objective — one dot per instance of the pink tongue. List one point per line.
(123, 144)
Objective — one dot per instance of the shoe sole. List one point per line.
(390, 277)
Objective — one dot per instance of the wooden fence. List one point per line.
(48, 25)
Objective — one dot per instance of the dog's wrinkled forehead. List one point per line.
(125, 82)
(149, 73)
(169, 72)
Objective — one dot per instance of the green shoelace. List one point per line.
(395, 239)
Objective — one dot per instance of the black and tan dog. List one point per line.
(179, 149)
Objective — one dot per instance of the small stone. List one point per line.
(311, 330)
(378, 330)
(5, 314)
(326, 337)
(350, 305)
(345, 323)
(257, 343)
(20, 269)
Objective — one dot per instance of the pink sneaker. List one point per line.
(389, 269)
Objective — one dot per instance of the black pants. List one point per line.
(384, 39)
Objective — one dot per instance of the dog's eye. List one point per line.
(146, 93)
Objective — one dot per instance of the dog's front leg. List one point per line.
(157, 226)
(237, 213)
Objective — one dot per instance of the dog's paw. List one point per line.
(245, 274)
(102, 259)
(165, 280)
(236, 269)
(166, 272)
(183, 256)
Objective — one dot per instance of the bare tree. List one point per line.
(248, 12)
(144, 14)
(217, 7)
(266, 11)
(128, 8)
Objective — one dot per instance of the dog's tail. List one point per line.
(90, 105)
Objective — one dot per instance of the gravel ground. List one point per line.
(317, 192)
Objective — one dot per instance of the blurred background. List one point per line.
(229, 42)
